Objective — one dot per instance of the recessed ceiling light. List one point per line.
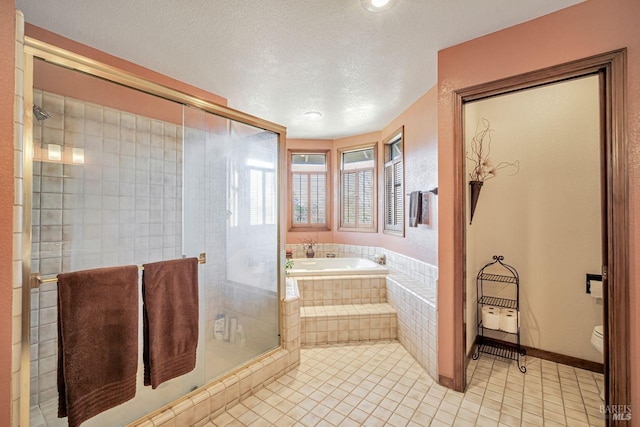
(313, 114)
(377, 5)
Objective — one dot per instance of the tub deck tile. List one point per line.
(349, 323)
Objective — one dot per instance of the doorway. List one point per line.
(610, 68)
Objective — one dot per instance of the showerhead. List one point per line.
(40, 113)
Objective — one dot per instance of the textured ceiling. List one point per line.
(278, 59)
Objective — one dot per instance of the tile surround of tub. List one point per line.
(417, 316)
(421, 271)
(339, 290)
(347, 323)
(411, 288)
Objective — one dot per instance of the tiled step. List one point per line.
(338, 290)
(347, 323)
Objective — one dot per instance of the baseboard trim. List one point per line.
(576, 362)
(445, 381)
(472, 350)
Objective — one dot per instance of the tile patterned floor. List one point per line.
(380, 384)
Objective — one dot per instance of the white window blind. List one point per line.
(309, 189)
(393, 187)
(357, 189)
(365, 198)
(256, 198)
(270, 205)
(262, 205)
(349, 199)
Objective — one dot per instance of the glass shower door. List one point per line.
(122, 177)
(230, 195)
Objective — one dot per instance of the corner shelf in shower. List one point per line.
(507, 350)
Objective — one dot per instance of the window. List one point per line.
(309, 184)
(262, 187)
(357, 189)
(394, 184)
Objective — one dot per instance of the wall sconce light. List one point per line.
(77, 155)
(54, 152)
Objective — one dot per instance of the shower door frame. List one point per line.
(33, 49)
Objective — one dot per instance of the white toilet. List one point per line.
(597, 341)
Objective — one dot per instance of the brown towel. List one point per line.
(97, 341)
(415, 208)
(170, 295)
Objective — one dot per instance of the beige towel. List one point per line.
(415, 208)
(170, 295)
(97, 341)
(425, 215)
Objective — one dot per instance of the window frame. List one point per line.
(396, 136)
(328, 196)
(374, 191)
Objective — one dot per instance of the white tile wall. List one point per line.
(347, 323)
(423, 272)
(17, 222)
(123, 206)
(339, 290)
(417, 319)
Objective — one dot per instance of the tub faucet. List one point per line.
(331, 255)
(380, 259)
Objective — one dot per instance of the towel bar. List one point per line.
(433, 190)
(37, 279)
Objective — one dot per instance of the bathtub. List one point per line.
(335, 267)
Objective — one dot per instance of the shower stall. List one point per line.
(127, 174)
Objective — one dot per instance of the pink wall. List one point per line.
(145, 73)
(7, 73)
(420, 122)
(592, 27)
(420, 145)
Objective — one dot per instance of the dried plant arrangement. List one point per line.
(484, 168)
(308, 242)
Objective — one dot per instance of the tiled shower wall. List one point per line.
(122, 206)
(18, 121)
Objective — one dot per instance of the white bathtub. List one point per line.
(335, 267)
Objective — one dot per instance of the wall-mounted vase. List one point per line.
(474, 192)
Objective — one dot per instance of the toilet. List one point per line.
(597, 341)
